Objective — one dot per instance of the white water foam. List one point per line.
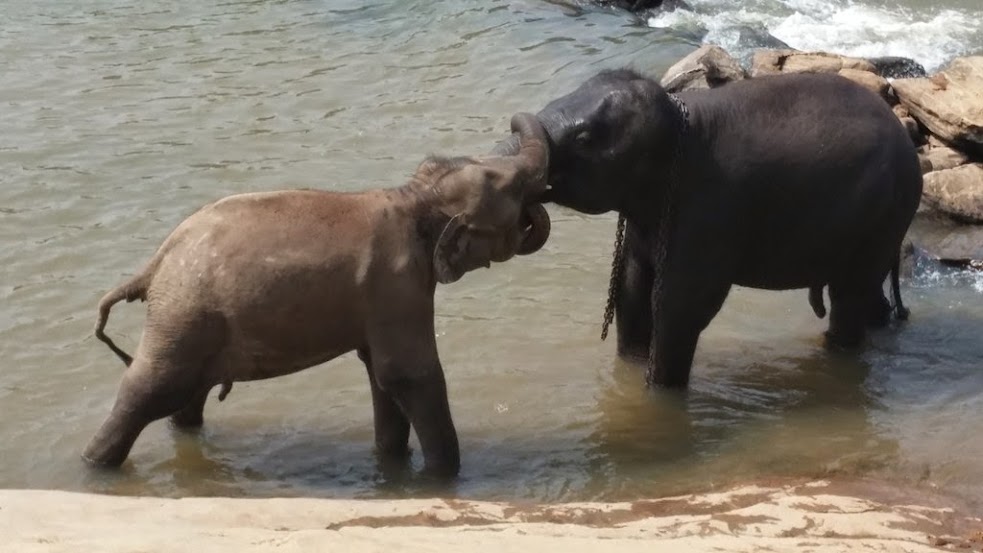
(930, 35)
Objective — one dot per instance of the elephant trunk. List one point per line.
(534, 151)
(535, 228)
(507, 147)
(534, 157)
(551, 122)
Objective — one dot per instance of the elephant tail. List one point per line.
(900, 310)
(133, 289)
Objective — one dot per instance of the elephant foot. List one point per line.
(634, 354)
(399, 450)
(188, 422)
(902, 312)
(441, 472)
(678, 380)
(843, 343)
(879, 312)
(192, 416)
(107, 451)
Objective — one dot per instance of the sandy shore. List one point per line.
(814, 516)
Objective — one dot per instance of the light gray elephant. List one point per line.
(255, 286)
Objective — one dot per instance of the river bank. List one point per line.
(807, 516)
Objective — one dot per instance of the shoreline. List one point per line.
(818, 515)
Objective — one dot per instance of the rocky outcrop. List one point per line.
(958, 192)
(949, 103)
(708, 67)
(788, 60)
(774, 62)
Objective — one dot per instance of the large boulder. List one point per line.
(936, 156)
(870, 81)
(751, 37)
(950, 103)
(910, 125)
(947, 241)
(895, 67)
(861, 71)
(957, 192)
(773, 62)
(708, 67)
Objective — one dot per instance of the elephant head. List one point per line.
(608, 138)
(493, 204)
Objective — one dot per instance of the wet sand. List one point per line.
(807, 516)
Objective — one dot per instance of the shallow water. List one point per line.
(120, 119)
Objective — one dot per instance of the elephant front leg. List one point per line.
(403, 351)
(633, 308)
(424, 399)
(685, 312)
(392, 428)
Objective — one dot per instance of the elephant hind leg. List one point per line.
(878, 310)
(192, 415)
(851, 311)
(146, 393)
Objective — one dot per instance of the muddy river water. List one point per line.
(119, 118)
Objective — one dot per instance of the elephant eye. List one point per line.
(583, 138)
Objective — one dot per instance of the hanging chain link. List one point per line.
(660, 246)
(617, 267)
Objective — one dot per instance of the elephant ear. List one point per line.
(448, 256)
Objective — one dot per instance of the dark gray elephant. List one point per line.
(784, 182)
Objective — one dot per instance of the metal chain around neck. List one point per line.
(662, 235)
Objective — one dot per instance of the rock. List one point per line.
(914, 131)
(957, 192)
(950, 103)
(895, 67)
(771, 62)
(750, 38)
(708, 67)
(870, 81)
(946, 240)
(939, 157)
(925, 165)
